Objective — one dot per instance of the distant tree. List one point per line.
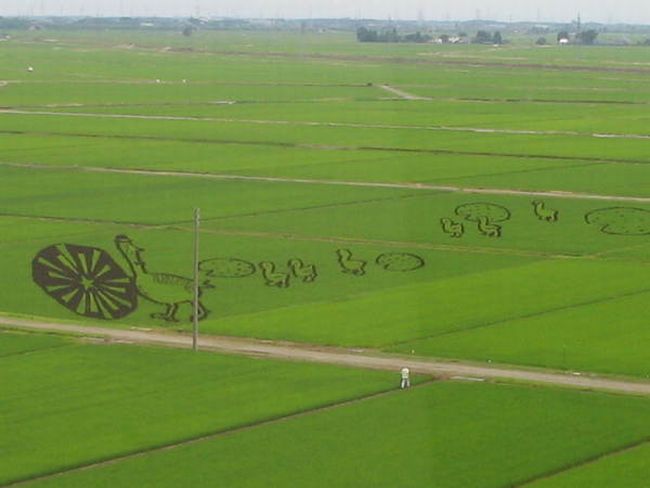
(366, 35)
(417, 37)
(497, 38)
(444, 38)
(587, 37)
(188, 30)
(563, 35)
(541, 41)
(482, 37)
(390, 36)
(646, 42)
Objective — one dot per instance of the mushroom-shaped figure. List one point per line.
(400, 262)
(226, 268)
(621, 221)
(486, 215)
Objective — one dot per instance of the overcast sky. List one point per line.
(632, 11)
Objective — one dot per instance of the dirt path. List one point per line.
(342, 125)
(402, 93)
(367, 359)
(364, 184)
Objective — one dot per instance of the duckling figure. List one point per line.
(454, 229)
(356, 267)
(305, 272)
(545, 214)
(273, 277)
(488, 229)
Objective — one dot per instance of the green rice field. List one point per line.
(462, 203)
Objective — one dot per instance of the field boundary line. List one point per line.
(32, 351)
(394, 244)
(464, 100)
(207, 436)
(532, 315)
(404, 95)
(364, 359)
(362, 184)
(327, 147)
(474, 62)
(179, 226)
(585, 462)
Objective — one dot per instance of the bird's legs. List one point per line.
(169, 315)
(202, 312)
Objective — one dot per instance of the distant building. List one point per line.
(445, 39)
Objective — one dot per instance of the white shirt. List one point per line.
(405, 373)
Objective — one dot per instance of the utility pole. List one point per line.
(195, 317)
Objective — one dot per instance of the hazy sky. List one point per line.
(635, 11)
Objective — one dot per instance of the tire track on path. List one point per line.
(355, 358)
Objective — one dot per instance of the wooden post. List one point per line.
(195, 334)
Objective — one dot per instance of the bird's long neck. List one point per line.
(137, 266)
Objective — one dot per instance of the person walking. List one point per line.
(406, 378)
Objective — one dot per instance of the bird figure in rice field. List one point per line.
(454, 229)
(162, 288)
(273, 277)
(349, 265)
(305, 272)
(545, 214)
(489, 229)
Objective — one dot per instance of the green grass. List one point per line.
(628, 469)
(424, 310)
(544, 294)
(16, 344)
(83, 403)
(446, 435)
(559, 295)
(607, 336)
(391, 139)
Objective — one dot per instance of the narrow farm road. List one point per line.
(569, 195)
(312, 123)
(367, 359)
(402, 93)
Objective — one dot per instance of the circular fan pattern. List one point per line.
(85, 280)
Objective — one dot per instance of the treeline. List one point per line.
(369, 35)
(485, 37)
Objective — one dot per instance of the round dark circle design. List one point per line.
(228, 268)
(400, 262)
(86, 281)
